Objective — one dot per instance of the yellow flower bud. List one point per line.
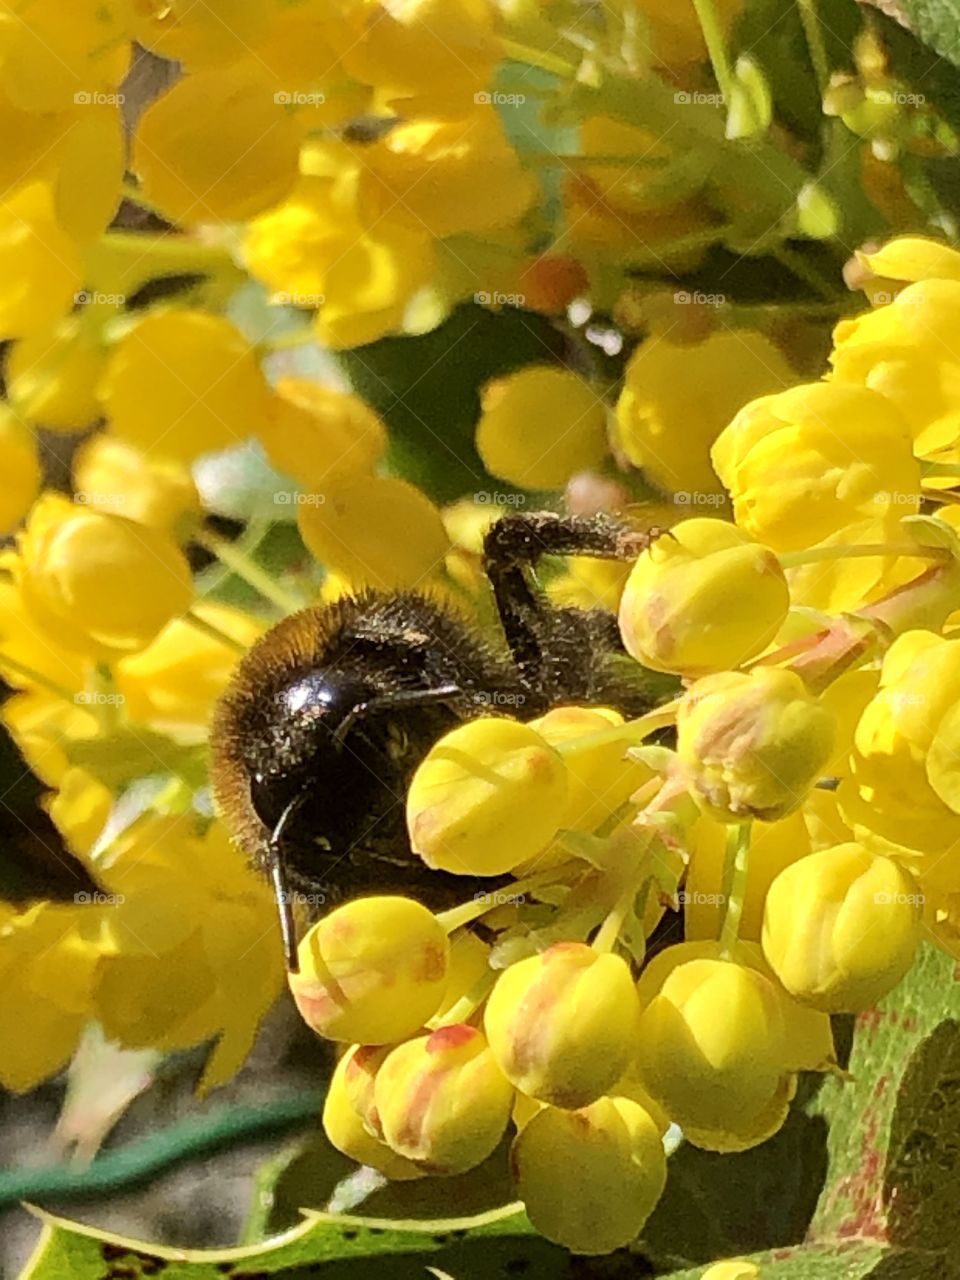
(52, 376)
(701, 386)
(353, 531)
(752, 744)
(183, 382)
(841, 927)
(442, 1100)
(751, 1130)
(58, 54)
(113, 477)
(903, 784)
(469, 965)
(439, 52)
(39, 262)
(562, 1025)
(539, 426)
(321, 436)
(360, 1065)
(346, 1130)
(214, 33)
(373, 970)
(703, 597)
(804, 464)
(913, 258)
(219, 145)
(429, 171)
(888, 350)
(20, 467)
(101, 584)
(489, 795)
(713, 1045)
(600, 778)
(589, 1179)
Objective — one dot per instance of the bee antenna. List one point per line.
(278, 877)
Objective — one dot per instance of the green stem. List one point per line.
(138, 1162)
(814, 555)
(716, 47)
(631, 733)
(251, 573)
(609, 931)
(818, 51)
(541, 58)
(734, 884)
(456, 917)
(801, 268)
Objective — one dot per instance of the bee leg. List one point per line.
(513, 546)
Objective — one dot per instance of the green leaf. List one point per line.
(920, 66)
(341, 1248)
(936, 23)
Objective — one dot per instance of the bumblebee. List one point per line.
(327, 716)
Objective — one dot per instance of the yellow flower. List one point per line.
(913, 258)
(430, 172)
(353, 531)
(589, 1179)
(99, 584)
(218, 145)
(841, 927)
(51, 54)
(214, 33)
(425, 53)
(539, 426)
(39, 263)
(702, 597)
(906, 351)
(183, 382)
(52, 375)
(677, 399)
(489, 795)
(902, 784)
(20, 466)
(116, 478)
(346, 1130)
(752, 744)
(321, 436)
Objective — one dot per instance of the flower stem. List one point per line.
(36, 678)
(801, 268)
(716, 46)
(794, 559)
(814, 36)
(734, 884)
(251, 573)
(630, 733)
(467, 911)
(541, 58)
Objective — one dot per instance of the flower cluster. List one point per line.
(315, 176)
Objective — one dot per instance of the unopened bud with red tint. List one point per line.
(563, 1025)
(372, 971)
(346, 1130)
(442, 1100)
(590, 1178)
